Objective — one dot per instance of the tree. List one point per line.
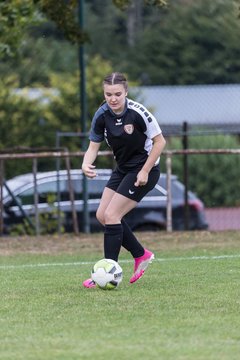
(41, 54)
(194, 43)
(33, 123)
(15, 16)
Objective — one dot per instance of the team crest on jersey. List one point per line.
(129, 128)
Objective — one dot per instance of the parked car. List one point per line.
(53, 193)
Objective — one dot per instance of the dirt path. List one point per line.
(85, 244)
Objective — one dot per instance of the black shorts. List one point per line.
(124, 183)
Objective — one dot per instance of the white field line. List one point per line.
(82, 263)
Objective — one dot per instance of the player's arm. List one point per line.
(158, 145)
(90, 156)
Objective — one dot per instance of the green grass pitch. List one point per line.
(186, 307)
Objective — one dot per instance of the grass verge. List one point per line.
(185, 307)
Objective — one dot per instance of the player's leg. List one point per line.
(111, 209)
(107, 196)
(117, 208)
(105, 199)
(129, 241)
(114, 231)
(141, 256)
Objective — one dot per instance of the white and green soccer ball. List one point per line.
(107, 274)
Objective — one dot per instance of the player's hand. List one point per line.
(89, 170)
(142, 178)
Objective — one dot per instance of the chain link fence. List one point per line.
(218, 218)
(207, 116)
(185, 113)
(208, 109)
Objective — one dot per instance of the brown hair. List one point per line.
(116, 78)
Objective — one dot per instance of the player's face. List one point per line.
(115, 96)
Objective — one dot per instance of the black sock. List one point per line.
(113, 236)
(130, 242)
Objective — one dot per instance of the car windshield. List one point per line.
(47, 191)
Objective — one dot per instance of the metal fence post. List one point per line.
(185, 175)
(71, 195)
(1, 195)
(36, 197)
(169, 192)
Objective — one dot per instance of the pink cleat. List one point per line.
(141, 264)
(89, 283)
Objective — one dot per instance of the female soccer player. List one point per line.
(136, 140)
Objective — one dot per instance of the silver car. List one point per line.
(58, 191)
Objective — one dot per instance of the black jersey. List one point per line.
(129, 134)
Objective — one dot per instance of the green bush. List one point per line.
(48, 222)
(214, 177)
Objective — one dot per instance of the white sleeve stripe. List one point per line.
(152, 125)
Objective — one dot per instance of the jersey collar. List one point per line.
(122, 113)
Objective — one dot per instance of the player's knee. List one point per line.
(110, 217)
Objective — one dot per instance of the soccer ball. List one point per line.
(107, 274)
